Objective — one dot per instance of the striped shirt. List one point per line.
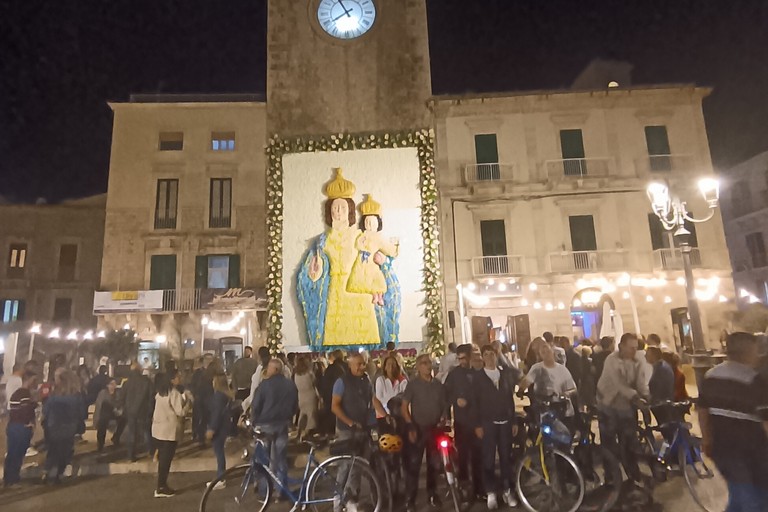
(736, 398)
(22, 407)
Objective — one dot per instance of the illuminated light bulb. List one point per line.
(680, 281)
(491, 282)
(127, 327)
(512, 281)
(549, 306)
(72, 335)
(88, 335)
(240, 314)
(502, 287)
(471, 287)
(560, 305)
(722, 298)
(625, 295)
(753, 299)
(35, 329)
(161, 338)
(102, 334)
(533, 287)
(537, 305)
(624, 279)
(648, 298)
(702, 282)
(667, 299)
(205, 320)
(581, 283)
(744, 293)
(576, 303)
(524, 302)
(54, 333)
(243, 331)
(609, 288)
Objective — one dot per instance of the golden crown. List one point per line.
(370, 207)
(339, 187)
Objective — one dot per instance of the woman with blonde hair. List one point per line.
(220, 423)
(304, 378)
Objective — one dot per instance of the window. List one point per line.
(657, 141)
(493, 235)
(572, 148)
(62, 310)
(741, 198)
(659, 235)
(162, 272)
(11, 310)
(171, 141)
(217, 271)
(756, 248)
(487, 157)
(166, 204)
(17, 260)
(221, 203)
(223, 141)
(67, 262)
(583, 241)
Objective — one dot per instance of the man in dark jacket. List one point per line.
(662, 383)
(458, 387)
(137, 392)
(202, 391)
(334, 372)
(97, 383)
(495, 425)
(274, 405)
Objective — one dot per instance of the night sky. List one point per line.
(62, 60)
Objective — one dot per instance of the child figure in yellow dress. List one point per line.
(366, 276)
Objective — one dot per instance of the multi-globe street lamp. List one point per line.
(673, 214)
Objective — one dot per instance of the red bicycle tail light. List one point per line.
(443, 443)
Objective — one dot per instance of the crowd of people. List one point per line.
(471, 390)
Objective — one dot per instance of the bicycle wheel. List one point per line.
(341, 481)
(707, 487)
(378, 463)
(246, 489)
(549, 480)
(602, 477)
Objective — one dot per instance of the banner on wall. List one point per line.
(233, 299)
(127, 301)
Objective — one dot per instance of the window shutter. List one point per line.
(234, 271)
(486, 149)
(201, 271)
(656, 140)
(582, 233)
(162, 272)
(572, 144)
(657, 232)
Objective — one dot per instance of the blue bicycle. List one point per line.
(341, 483)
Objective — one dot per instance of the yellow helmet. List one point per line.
(390, 443)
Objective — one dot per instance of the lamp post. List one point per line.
(672, 213)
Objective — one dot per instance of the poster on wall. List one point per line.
(352, 249)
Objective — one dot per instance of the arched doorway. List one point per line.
(593, 315)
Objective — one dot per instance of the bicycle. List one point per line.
(679, 451)
(548, 479)
(339, 483)
(448, 457)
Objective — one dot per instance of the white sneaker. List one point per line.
(31, 452)
(68, 471)
(351, 507)
(509, 498)
(491, 502)
(221, 484)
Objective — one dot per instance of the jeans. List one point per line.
(221, 457)
(497, 437)
(617, 434)
(135, 428)
(349, 483)
(746, 498)
(165, 452)
(277, 449)
(101, 431)
(469, 449)
(425, 440)
(18, 439)
(59, 454)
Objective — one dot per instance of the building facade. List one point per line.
(546, 225)
(184, 232)
(745, 212)
(52, 262)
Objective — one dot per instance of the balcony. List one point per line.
(487, 266)
(577, 168)
(588, 261)
(483, 173)
(659, 164)
(672, 259)
(164, 222)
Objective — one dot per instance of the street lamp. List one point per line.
(673, 213)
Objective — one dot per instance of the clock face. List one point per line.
(346, 19)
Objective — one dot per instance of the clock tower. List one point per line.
(351, 66)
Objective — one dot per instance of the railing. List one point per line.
(220, 222)
(184, 299)
(510, 265)
(162, 222)
(588, 261)
(672, 259)
(478, 173)
(578, 168)
(665, 163)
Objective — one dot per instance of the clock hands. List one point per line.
(346, 11)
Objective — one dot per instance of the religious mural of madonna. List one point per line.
(346, 285)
